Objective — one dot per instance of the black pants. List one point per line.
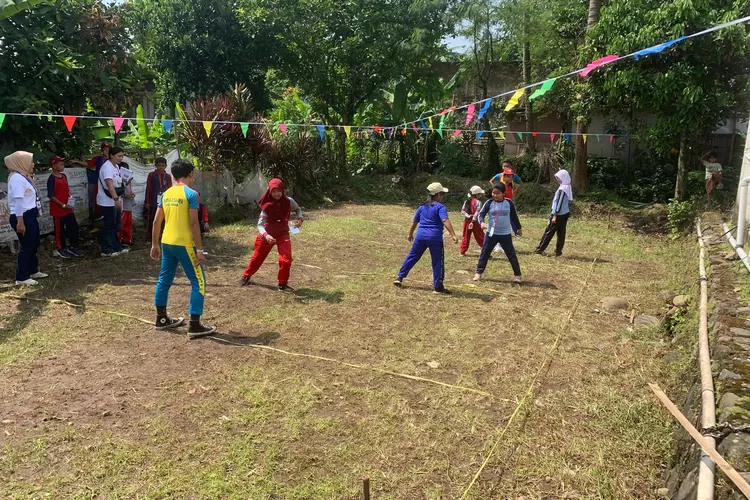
(560, 227)
(66, 227)
(27, 262)
(108, 236)
(506, 242)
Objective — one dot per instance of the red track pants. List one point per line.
(126, 233)
(478, 235)
(263, 248)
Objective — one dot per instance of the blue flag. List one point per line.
(484, 109)
(321, 131)
(657, 48)
(480, 134)
(167, 125)
(567, 138)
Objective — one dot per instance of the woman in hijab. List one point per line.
(558, 221)
(273, 229)
(25, 206)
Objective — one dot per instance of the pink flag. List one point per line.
(552, 137)
(470, 114)
(599, 62)
(118, 123)
(456, 133)
(282, 127)
(414, 127)
(69, 122)
(611, 138)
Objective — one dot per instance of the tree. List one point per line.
(691, 86)
(63, 59)
(203, 47)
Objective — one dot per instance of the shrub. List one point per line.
(680, 216)
(455, 161)
(525, 166)
(533, 198)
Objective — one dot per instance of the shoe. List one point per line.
(63, 254)
(462, 254)
(93, 230)
(441, 290)
(38, 275)
(244, 281)
(76, 253)
(477, 277)
(285, 288)
(498, 249)
(398, 282)
(28, 282)
(101, 217)
(165, 323)
(110, 254)
(200, 330)
(517, 279)
(124, 251)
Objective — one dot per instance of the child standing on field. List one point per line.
(503, 216)
(128, 201)
(558, 219)
(469, 210)
(714, 174)
(273, 229)
(431, 218)
(63, 215)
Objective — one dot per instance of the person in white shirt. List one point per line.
(25, 206)
(109, 200)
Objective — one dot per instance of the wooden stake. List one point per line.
(730, 471)
(366, 488)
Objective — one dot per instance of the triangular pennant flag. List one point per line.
(599, 62)
(440, 126)
(403, 131)
(456, 133)
(611, 138)
(429, 120)
(502, 135)
(416, 130)
(378, 128)
(514, 99)
(2, 119)
(348, 131)
(167, 123)
(567, 138)
(282, 127)
(470, 114)
(69, 122)
(585, 138)
(598, 138)
(480, 134)
(657, 48)
(534, 134)
(321, 131)
(421, 122)
(484, 109)
(117, 122)
(207, 125)
(244, 126)
(520, 135)
(552, 137)
(543, 89)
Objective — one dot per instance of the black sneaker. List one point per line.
(398, 282)
(165, 322)
(200, 330)
(441, 290)
(286, 288)
(244, 281)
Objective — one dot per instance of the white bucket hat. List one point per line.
(436, 188)
(476, 190)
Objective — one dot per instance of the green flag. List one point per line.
(244, 127)
(2, 119)
(543, 89)
(520, 135)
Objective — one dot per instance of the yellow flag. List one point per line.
(207, 126)
(585, 138)
(502, 135)
(347, 131)
(430, 121)
(514, 100)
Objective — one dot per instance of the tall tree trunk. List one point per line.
(341, 136)
(530, 120)
(683, 162)
(580, 171)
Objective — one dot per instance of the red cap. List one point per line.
(55, 159)
(106, 145)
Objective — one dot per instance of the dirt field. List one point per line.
(95, 405)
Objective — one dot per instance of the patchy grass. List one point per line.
(95, 405)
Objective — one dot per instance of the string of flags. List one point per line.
(471, 108)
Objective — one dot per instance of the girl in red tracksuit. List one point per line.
(273, 229)
(469, 210)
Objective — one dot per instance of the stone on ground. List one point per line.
(681, 301)
(726, 374)
(646, 320)
(667, 295)
(614, 303)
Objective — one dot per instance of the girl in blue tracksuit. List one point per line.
(431, 218)
(503, 218)
(558, 220)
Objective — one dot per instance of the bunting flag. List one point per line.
(348, 131)
(514, 100)
(167, 123)
(599, 62)
(282, 127)
(69, 122)
(422, 123)
(567, 138)
(429, 120)
(2, 119)
(657, 48)
(484, 109)
(552, 137)
(520, 136)
(585, 138)
(598, 138)
(480, 134)
(543, 89)
(403, 131)
(393, 131)
(117, 122)
(244, 127)
(534, 134)
(456, 133)
(207, 126)
(440, 126)
(502, 135)
(611, 138)
(378, 129)
(470, 114)
(416, 130)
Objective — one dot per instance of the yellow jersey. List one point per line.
(176, 203)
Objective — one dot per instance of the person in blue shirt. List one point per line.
(503, 218)
(558, 220)
(431, 218)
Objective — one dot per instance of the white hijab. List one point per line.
(564, 177)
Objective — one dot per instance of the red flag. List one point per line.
(611, 138)
(534, 134)
(69, 122)
(552, 137)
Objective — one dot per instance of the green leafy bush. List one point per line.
(680, 216)
(455, 161)
(533, 198)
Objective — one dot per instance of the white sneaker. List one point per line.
(498, 249)
(113, 254)
(517, 279)
(123, 251)
(37, 276)
(28, 282)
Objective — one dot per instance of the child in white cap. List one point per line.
(469, 210)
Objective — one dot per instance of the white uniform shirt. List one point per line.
(22, 195)
(108, 171)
